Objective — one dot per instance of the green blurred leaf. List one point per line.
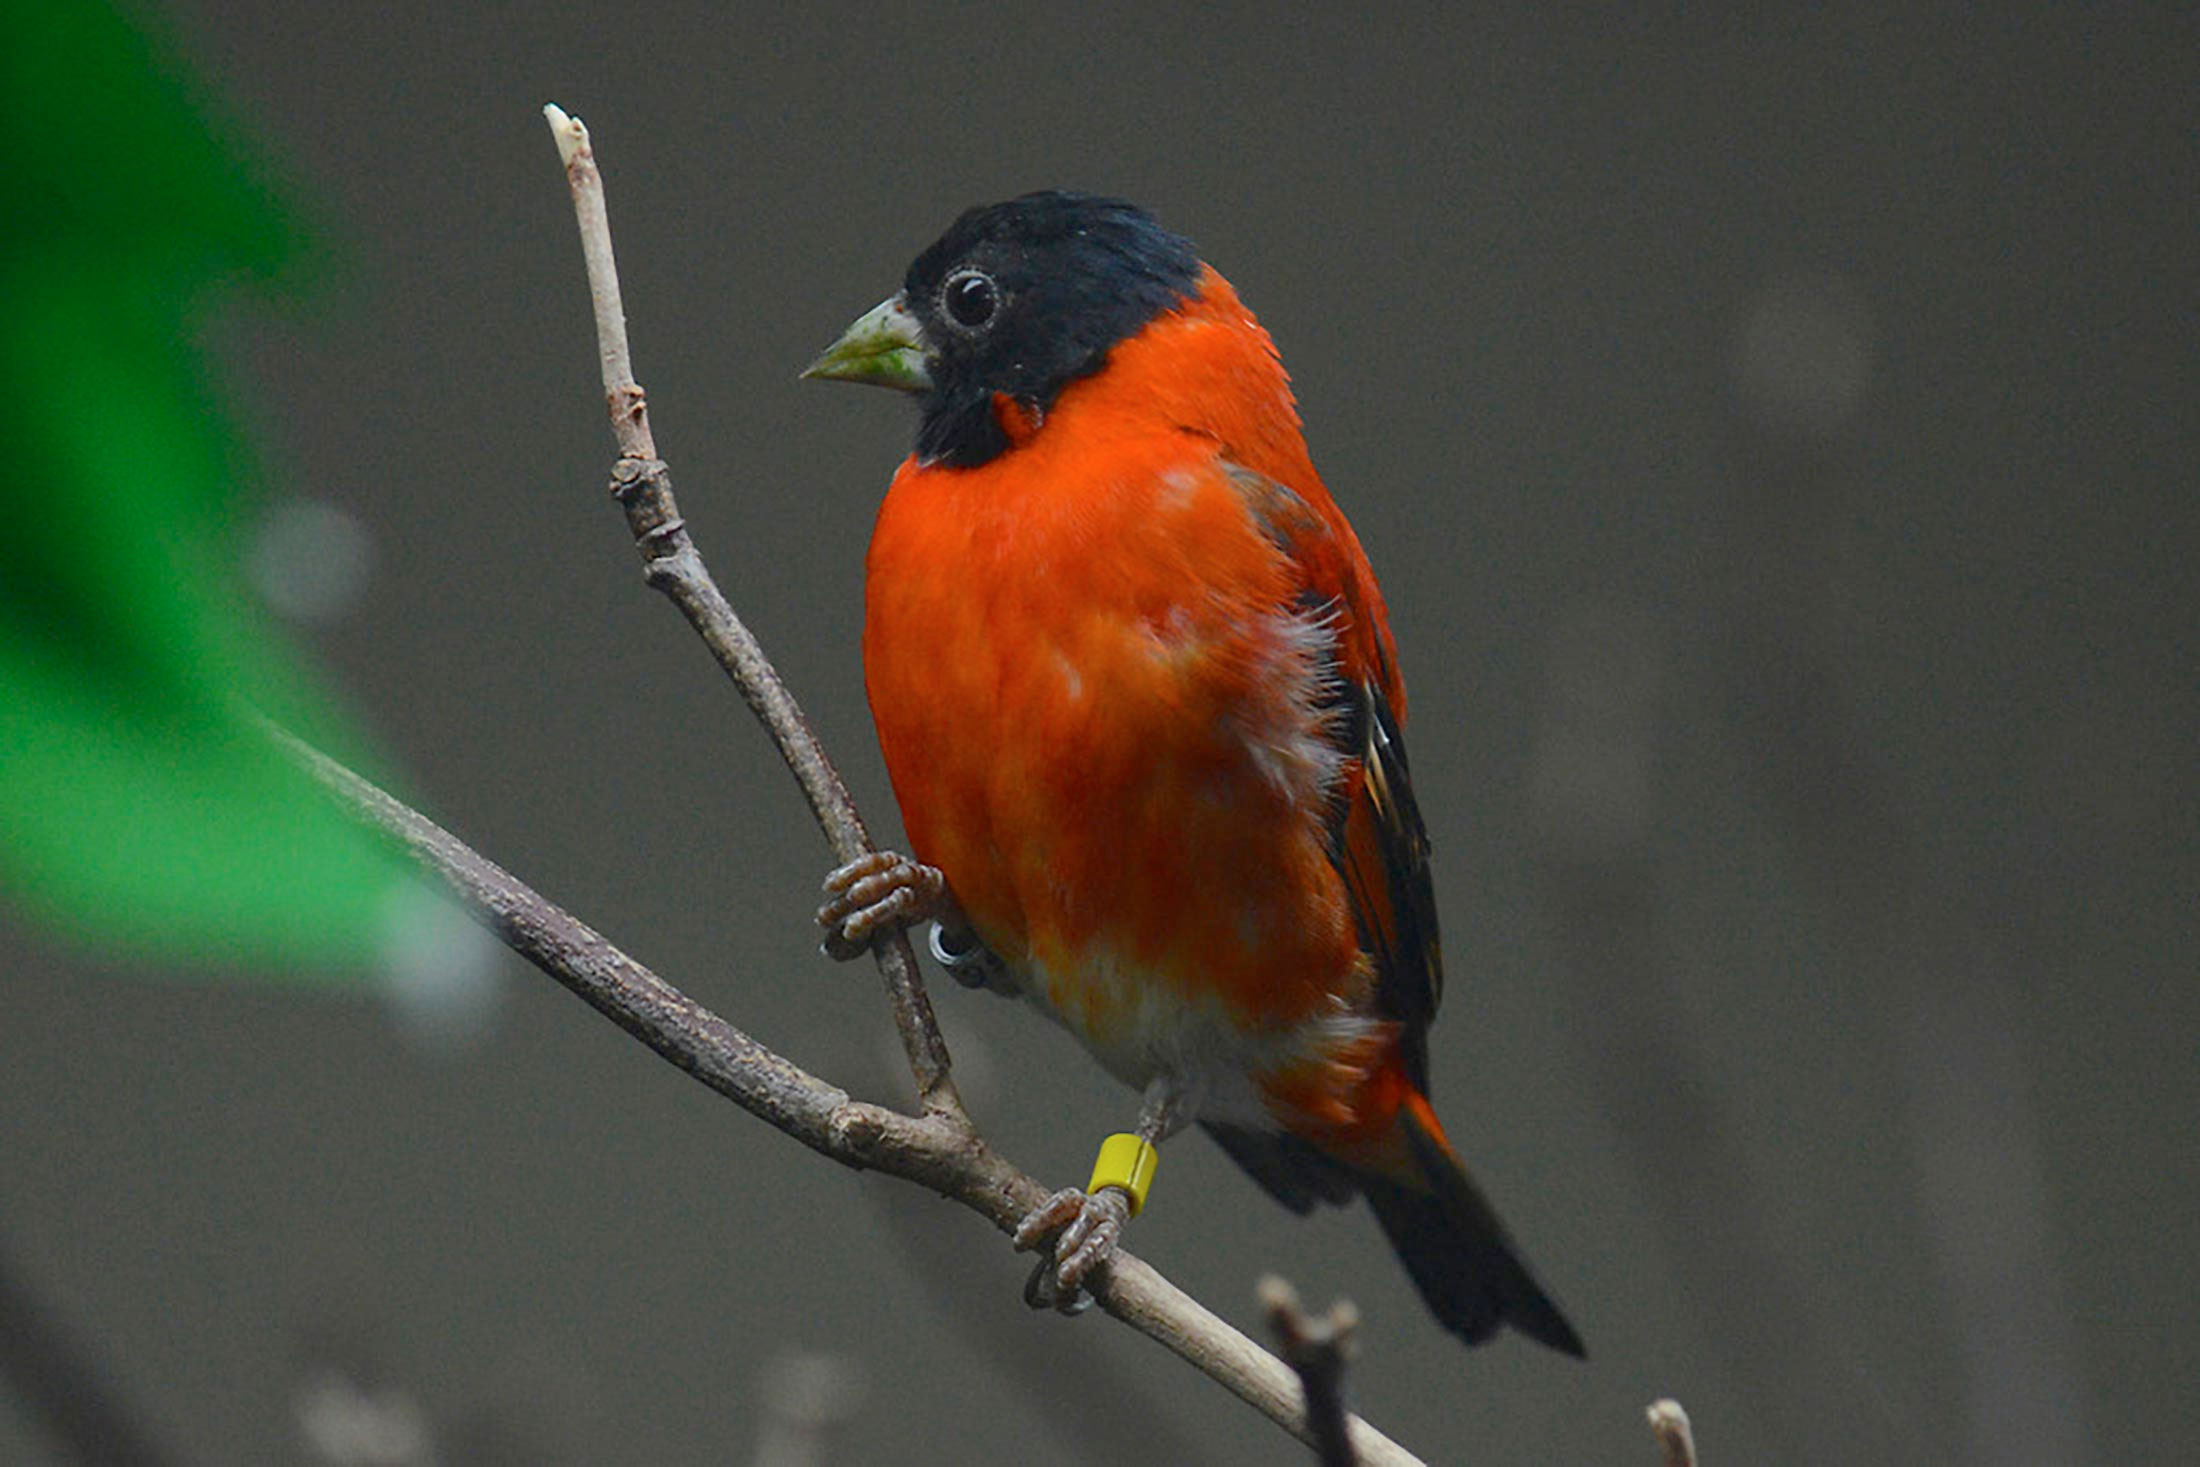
(139, 806)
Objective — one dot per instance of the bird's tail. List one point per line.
(1460, 1256)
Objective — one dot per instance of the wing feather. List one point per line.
(1377, 840)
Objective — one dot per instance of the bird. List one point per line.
(1139, 701)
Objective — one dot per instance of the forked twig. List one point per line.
(934, 1150)
(1318, 1349)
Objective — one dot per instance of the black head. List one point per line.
(1018, 300)
(1023, 298)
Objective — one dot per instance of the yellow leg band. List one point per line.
(1128, 1162)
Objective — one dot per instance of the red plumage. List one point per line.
(1136, 689)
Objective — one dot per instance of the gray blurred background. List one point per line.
(1776, 438)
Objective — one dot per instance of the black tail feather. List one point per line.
(1463, 1261)
(1461, 1258)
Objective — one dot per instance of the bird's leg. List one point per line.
(1087, 1227)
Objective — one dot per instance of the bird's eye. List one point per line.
(970, 299)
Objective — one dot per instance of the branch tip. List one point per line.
(1669, 1423)
(571, 133)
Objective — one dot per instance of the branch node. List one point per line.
(662, 539)
(633, 476)
(946, 1113)
(856, 1131)
(628, 400)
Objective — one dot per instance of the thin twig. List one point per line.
(1670, 1424)
(642, 484)
(569, 950)
(934, 1150)
(1319, 1350)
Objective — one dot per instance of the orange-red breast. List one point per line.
(1137, 693)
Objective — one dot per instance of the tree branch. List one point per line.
(642, 484)
(938, 1151)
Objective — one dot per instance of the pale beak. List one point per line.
(885, 348)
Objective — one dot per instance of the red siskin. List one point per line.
(1136, 689)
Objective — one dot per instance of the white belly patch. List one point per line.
(1140, 1026)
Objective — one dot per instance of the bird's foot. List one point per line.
(1086, 1229)
(881, 892)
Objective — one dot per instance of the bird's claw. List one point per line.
(1086, 1229)
(1049, 1218)
(880, 892)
